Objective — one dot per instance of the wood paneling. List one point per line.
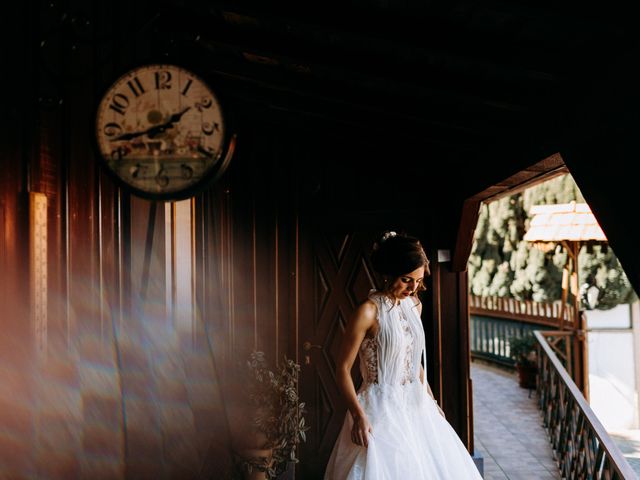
(454, 349)
(337, 277)
(326, 156)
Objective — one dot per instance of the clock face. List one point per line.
(161, 131)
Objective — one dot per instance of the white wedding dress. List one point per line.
(410, 439)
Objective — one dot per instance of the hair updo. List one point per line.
(395, 255)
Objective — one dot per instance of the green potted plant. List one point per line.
(277, 419)
(523, 350)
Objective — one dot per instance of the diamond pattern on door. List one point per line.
(338, 277)
(360, 280)
(322, 292)
(337, 247)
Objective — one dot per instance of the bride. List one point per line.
(394, 429)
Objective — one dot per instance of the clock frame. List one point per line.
(161, 132)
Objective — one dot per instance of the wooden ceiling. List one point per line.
(459, 74)
(506, 79)
(482, 91)
(473, 94)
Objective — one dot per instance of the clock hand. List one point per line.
(155, 130)
(174, 118)
(177, 116)
(204, 151)
(127, 136)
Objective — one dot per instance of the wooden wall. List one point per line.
(120, 391)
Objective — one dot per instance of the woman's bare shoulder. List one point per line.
(365, 315)
(367, 308)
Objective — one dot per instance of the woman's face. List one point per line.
(407, 284)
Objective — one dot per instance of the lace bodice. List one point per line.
(393, 355)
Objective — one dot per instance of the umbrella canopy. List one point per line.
(570, 221)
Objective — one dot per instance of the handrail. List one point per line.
(582, 445)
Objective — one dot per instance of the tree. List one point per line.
(502, 264)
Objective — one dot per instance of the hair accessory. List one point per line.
(388, 235)
(385, 237)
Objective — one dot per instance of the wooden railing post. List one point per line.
(581, 445)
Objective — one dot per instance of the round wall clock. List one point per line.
(161, 131)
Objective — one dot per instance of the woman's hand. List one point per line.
(361, 429)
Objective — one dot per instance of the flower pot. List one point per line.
(527, 375)
(289, 473)
(250, 454)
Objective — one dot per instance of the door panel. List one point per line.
(337, 276)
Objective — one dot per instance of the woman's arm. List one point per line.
(361, 321)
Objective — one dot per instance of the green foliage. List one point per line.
(602, 269)
(279, 414)
(523, 349)
(502, 264)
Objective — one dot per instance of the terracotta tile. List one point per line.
(97, 352)
(59, 399)
(171, 391)
(8, 474)
(102, 441)
(100, 381)
(202, 393)
(101, 469)
(502, 412)
(182, 472)
(15, 453)
(15, 418)
(54, 466)
(208, 419)
(141, 414)
(136, 470)
(180, 450)
(61, 371)
(144, 444)
(177, 418)
(59, 435)
(14, 383)
(98, 409)
(139, 385)
(199, 367)
(134, 359)
(169, 366)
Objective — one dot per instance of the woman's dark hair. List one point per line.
(395, 255)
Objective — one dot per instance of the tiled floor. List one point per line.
(508, 428)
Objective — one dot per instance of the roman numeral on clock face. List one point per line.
(186, 87)
(136, 87)
(163, 80)
(119, 103)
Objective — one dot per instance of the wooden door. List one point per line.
(335, 276)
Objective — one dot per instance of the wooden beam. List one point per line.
(539, 172)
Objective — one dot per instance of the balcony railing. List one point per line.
(489, 337)
(581, 445)
(494, 320)
(536, 313)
